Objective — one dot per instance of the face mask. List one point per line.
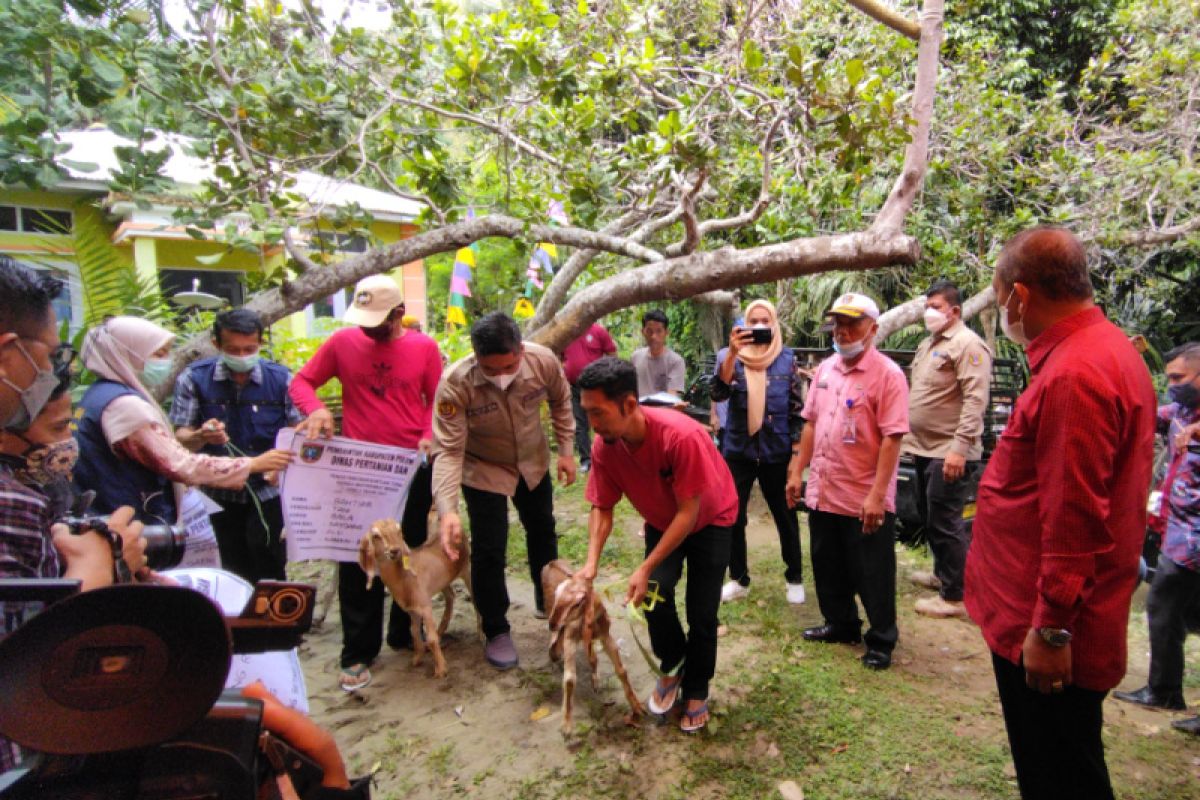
(1013, 330)
(935, 320)
(45, 464)
(1184, 394)
(156, 371)
(239, 363)
(851, 350)
(34, 396)
(501, 382)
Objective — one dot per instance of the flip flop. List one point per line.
(669, 692)
(354, 678)
(687, 721)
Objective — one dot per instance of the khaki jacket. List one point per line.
(951, 376)
(487, 439)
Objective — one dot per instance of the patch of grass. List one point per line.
(441, 760)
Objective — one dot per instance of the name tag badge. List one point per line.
(822, 385)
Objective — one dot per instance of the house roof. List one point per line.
(97, 145)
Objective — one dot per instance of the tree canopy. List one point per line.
(695, 145)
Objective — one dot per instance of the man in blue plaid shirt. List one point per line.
(234, 404)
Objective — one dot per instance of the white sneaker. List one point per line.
(795, 593)
(733, 591)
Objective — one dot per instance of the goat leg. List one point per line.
(435, 644)
(614, 655)
(448, 612)
(415, 620)
(593, 662)
(466, 579)
(569, 642)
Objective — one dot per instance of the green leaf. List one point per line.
(581, 8)
(648, 49)
(855, 71)
(752, 57)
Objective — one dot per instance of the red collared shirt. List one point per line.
(1062, 504)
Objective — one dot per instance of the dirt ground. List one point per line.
(490, 734)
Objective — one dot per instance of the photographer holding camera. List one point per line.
(757, 375)
(35, 410)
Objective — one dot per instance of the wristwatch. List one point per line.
(1055, 637)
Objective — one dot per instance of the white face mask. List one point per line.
(935, 320)
(1013, 330)
(850, 350)
(501, 382)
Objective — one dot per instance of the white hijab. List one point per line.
(118, 349)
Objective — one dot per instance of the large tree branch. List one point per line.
(916, 155)
(727, 268)
(564, 279)
(893, 19)
(1157, 236)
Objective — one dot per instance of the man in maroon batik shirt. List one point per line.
(593, 344)
(1061, 516)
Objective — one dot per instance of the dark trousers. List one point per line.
(944, 527)
(361, 605)
(247, 547)
(1174, 591)
(488, 516)
(707, 555)
(583, 434)
(1055, 738)
(772, 481)
(847, 562)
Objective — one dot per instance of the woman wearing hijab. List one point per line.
(127, 452)
(757, 375)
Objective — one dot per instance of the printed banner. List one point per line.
(336, 488)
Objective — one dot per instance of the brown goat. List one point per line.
(567, 596)
(414, 577)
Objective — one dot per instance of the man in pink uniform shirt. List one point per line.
(389, 375)
(857, 414)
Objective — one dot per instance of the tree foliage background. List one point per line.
(681, 126)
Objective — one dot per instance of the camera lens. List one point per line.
(165, 545)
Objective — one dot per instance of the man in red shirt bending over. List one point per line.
(666, 464)
(389, 376)
(1061, 516)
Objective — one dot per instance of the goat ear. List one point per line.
(366, 556)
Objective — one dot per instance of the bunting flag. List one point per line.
(523, 309)
(460, 282)
(541, 260)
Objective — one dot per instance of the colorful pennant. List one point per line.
(460, 282)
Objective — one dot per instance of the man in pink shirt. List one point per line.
(665, 463)
(594, 344)
(857, 413)
(389, 375)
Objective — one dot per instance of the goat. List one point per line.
(568, 625)
(414, 577)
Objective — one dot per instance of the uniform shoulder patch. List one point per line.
(446, 409)
(975, 359)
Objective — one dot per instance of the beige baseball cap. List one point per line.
(854, 305)
(374, 299)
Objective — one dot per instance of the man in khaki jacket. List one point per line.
(951, 377)
(489, 441)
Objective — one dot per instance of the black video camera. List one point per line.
(165, 544)
(119, 693)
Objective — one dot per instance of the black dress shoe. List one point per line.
(1146, 696)
(877, 659)
(831, 635)
(1190, 725)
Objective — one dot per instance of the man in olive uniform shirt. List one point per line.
(489, 441)
(951, 377)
